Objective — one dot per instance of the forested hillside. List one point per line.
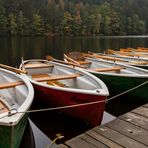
(73, 17)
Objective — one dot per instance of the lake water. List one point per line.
(12, 49)
(46, 125)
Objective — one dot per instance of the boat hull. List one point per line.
(119, 84)
(11, 136)
(91, 114)
(142, 66)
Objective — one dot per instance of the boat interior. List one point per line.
(111, 67)
(126, 59)
(101, 65)
(12, 92)
(56, 74)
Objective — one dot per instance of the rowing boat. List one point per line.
(118, 77)
(16, 95)
(141, 55)
(133, 61)
(61, 85)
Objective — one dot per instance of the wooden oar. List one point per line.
(103, 57)
(71, 60)
(12, 69)
(124, 53)
(50, 58)
(11, 84)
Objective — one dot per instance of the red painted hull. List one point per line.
(91, 114)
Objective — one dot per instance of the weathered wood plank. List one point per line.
(135, 132)
(103, 139)
(85, 141)
(135, 119)
(141, 111)
(37, 65)
(60, 77)
(129, 130)
(145, 105)
(117, 137)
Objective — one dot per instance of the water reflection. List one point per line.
(123, 104)
(55, 122)
(12, 49)
(28, 137)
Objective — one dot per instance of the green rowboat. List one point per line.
(117, 76)
(16, 95)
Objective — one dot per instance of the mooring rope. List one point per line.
(75, 105)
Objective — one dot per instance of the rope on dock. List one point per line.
(76, 105)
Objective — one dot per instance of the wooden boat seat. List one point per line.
(116, 68)
(38, 65)
(84, 62)
(55, 83)
(10, 84)
(46, 77)
(3, 106)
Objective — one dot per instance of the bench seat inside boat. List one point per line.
(53, 79)
(84, 62)
(38, 65)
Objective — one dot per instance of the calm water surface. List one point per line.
(46, 125)
(12, 49)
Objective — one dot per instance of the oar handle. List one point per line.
(93, 55)
(68, 63)
(50, 58)
(13, 69)
(71, 60)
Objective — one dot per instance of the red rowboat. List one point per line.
(61, 85)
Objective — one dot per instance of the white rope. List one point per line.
(77, 105)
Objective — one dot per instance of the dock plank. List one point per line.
(146, 105)
(141, 111)
(130, 130)
(135, 119)
(118, 138)
(103, 139)
(86, 142)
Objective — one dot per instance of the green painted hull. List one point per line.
(119, 84)
(11, 136)
(140, 66)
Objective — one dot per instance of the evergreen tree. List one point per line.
(3, 21)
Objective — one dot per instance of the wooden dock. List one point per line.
(128, 130)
